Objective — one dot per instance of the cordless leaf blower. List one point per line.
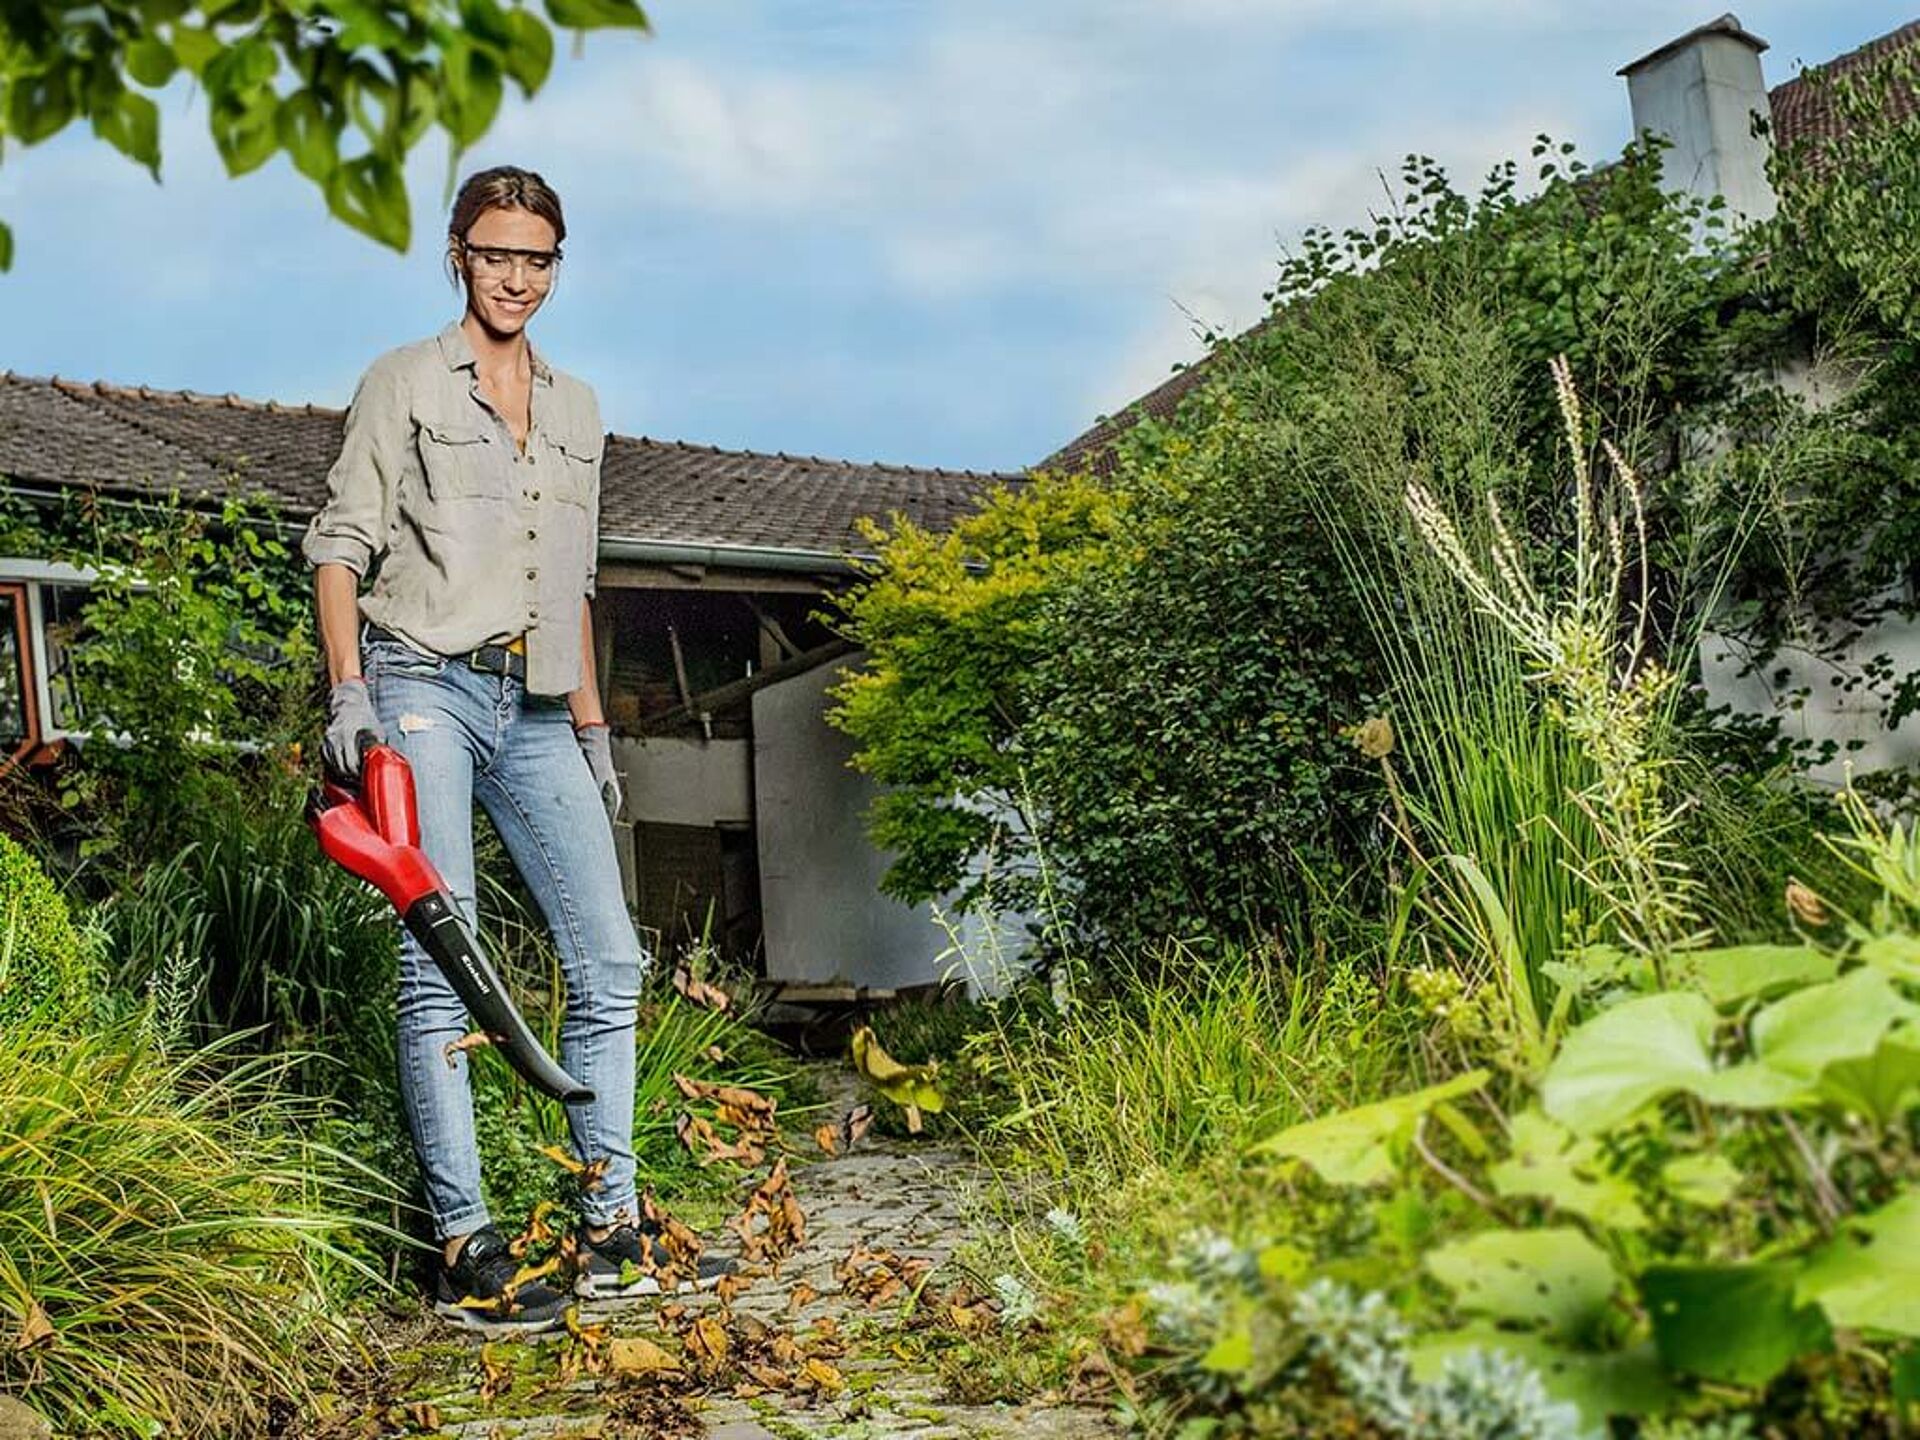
(373, 832)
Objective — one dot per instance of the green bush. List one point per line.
(163, 1235)
(47, 970)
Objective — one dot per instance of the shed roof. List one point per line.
(1801, 113)
(138, 440)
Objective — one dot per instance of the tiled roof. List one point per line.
(139, 440)
(1801, 112)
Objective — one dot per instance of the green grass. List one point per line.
(161, 1214)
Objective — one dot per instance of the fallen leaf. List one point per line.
(455, 1048)
(801, 1296)
(823, 1376)
(424, 1415)
(699, 992)
(496, 1376)
(536, 1231)
(912, 1087)
(827, 1137)
(716, 1055)
(36, 1330)
(1125, 1330)
(858, 1121)
(636, 1357)
(728, 1286)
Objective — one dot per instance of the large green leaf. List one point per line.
(1868, 1276)
(1627, 1057)
(1882, 1087)
(6, 246)
(1738, 1324)
(529, 54)
(596, 14)
(1554, 1277)
(309, 135)
(131, 124)
(1895, 955)
(370, 195)
(151, 61)
(244, 131)
(471, 89)
(1358, 1146)
(1708, 1180)
(1599, 1385)
(1734, 973)
(1842, 1020)
(1548, 1162)
(39, 106)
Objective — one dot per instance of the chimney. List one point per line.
(1705, 93)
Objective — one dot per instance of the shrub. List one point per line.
(46, 970)
(162, 1230)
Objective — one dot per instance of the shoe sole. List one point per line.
(587, 1288)
(483, 1324)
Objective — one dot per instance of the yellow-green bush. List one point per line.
(45, 966)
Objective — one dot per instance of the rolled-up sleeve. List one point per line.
(351, 528)
(593, 497)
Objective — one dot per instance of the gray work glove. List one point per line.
(596, 743)
(349, 711)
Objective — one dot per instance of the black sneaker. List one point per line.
(477, 1291)
(622, 1265)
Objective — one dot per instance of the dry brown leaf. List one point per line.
(634, 1357)
(536, 1231)
(716, 1055)
(36, 1330)
(856, 1124)
(801, 1296)
(424, 1415)
(699, 992)
(453, 1049)
(765, 1376)
(496, 1376)
(823, 1376)
(1125, 1330)
(729, 1286)
(827, 1137)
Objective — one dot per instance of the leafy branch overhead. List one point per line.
(345, 87)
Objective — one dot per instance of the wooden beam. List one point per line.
(625, 575)
(712, 702)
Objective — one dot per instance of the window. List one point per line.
(16, 699)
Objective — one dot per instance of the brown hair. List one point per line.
(504, 187)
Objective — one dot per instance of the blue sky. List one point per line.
(920, 231)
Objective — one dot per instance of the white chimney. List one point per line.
(1705, 93)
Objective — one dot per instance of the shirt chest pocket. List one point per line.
(576, 468)
(459, 460)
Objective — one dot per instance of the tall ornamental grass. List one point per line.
(163, 1235)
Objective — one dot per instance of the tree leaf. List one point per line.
(470, 93)
(309, 135)
(1737, 1324)
(244, 131)
(529, 52)
(39, 106)
(1733, 973)
(1555, 1277)
(370, 195)
(1356, 1147)
(151, 61)
(1868, 1276)
(597, 14)
(196, 48)
(1628, 1057)
(6, 246)
(131, 124)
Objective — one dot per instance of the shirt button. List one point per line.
(533, 574)
(533, 494)
(532, 536)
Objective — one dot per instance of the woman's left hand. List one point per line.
(596, 743)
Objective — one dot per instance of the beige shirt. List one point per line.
(465, 540)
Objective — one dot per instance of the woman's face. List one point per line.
(510, 260)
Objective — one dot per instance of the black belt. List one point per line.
(491, 659)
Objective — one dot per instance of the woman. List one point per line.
(465, 501)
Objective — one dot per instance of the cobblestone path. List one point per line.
(884, 1196)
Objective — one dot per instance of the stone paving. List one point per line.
(884, 1195)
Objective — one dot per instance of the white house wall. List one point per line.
(824, 916)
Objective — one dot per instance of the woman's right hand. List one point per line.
(349, 712)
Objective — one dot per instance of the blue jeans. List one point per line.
(468, 734)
